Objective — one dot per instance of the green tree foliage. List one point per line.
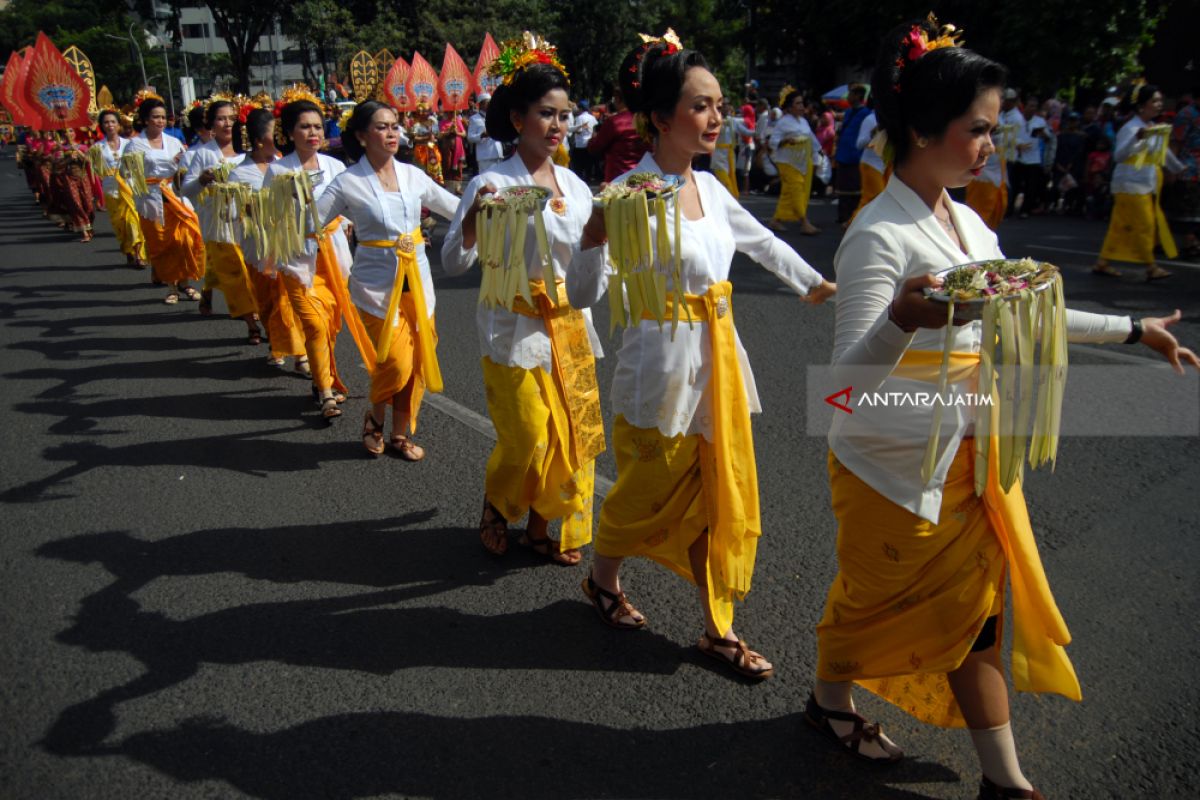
(318, 26)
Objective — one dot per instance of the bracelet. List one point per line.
(1135, 335)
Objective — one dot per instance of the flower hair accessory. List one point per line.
(784, 92)
(294, 94)
(671, 46)
(917, 43)
(517, 54)
(143, 95)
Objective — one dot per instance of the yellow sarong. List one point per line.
(176, 247)
(227, 266)
(728, 176)
(1137, 223)
(669, 490)
(408, 272)
(872, 182)
(910, 596)
(396, 378)
(124, 218)
(989, 201)
(793, 193)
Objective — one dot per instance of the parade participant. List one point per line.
(170, 228)
(538, 360)
(390, 281)
(284, 333)
(848, 155)
(315, 280)
(617, 140)
(224, 265)
(198, 124)
(793, 149)
(582, 129)
(73, 186)
(426, 155)
(451, 136)
(987, 193)
(871, 169)
(488, 152)
(913, 614)
(686, 494)
(118, 195)
(1138, 223)
(725, 158)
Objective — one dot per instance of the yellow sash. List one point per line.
(729, 178)
(574, 370)
(1160, 221)
(327, 266)
(1039, 662)
(405, 247)
(733, 512)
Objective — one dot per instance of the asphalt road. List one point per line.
(206, 592)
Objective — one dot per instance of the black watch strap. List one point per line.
(1135, 335)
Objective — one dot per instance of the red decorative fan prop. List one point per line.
(487, 54)
(53, 89)
(11, 92)
(456, 82)
(395, 87)
(423, 82)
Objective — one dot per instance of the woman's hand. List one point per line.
(594, 232)
(468, 223)
(207, 177)
(910, 309)
(1156, 336)
(820, 294)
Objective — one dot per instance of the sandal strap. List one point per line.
(619, 605)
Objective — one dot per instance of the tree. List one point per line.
(241, 25)
(317, 25)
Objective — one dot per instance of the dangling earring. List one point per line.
(518, 127)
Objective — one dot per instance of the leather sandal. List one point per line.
(338, 396)
(372, 435)
(618, 607)
(254, 337)
(863, 731)
(743, 659)
(189, 293)
(992, 791)
(551, 549)
(493, 530)
(301, 366)
(329, 409)
(1157, 273)
(406, 448)
(1107, 269)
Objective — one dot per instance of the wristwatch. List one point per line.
(1135, 335)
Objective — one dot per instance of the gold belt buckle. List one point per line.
(406, 244)
(722, 306)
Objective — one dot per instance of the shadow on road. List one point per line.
(367, 754)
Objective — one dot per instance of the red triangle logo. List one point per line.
(844, 405)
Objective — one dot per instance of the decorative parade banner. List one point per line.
(456, 82)
(10, 90)
(53, 89)
(487, 54)
(422, 82)
(364, 75)
(83, 65)
(395, 87)
(105, 98)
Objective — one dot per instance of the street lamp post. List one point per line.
(133, 41)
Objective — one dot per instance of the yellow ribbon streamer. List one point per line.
(408, 270)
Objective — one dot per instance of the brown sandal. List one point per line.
(551, 549)
(992, 791)
(372, 435)
(406, 448)
(1107, 269)
(743, 658)
(493, 524)
(618, 607)
(329, 409)
(863, 731)
(1157, 273)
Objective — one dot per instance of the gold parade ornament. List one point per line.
(644, 264)
(1020, 303)
(105, 98)
(501, 227)
(83, 65)
(365, 74)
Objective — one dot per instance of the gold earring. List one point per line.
(922, 142)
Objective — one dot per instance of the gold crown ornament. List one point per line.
(518, 54)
